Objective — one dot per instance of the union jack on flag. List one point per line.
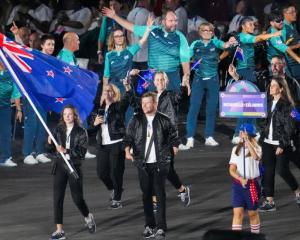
(239, 54)
(49, 82)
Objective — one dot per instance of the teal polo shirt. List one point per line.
(166, 50)
(209, 54)
(67, 56)
(117, 64)
(246, 41)
(275, 45)
(8, 89)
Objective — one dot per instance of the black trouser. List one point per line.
(153, 179)
(61, 178)
(271, 161)
(173, 176)
(110, 167)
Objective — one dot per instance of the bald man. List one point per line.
(71, 45)
(167, 47)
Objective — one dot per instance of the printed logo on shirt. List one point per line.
(126, 57)
(170, 43)
(154, 35)
(278, 41)
(112, 62)
(212, 49)
(166, 35)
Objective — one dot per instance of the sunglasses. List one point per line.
(278, 20)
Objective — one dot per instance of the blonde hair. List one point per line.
(116, 91)
(111, 41)
(165, 76)
(68, 36)
(206, 24)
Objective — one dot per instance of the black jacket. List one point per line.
(115, 120)
(78, 143)
(282, 123)
(168, 103)
(165, 137)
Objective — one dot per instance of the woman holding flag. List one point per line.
(206, 54)
(118, 61)
(244, 55)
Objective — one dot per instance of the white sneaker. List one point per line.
(89, 155)
(30, 160)
(8, 163)
(183, 147)
(235, 140)
(42, 158)
(210, 141)
(189, 144)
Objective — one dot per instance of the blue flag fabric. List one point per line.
(144, 81)
(239, 54)
(49, 82)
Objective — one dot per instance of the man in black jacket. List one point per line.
(151, 135)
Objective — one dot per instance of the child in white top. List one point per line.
(244, 168)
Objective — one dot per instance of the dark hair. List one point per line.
(275, 16)
(153, 95)
(286, 94)
(76, 116)
(287, 5)
(46, 37)
(244, 21)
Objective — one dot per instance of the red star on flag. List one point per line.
(50, 73)
(67, 70)
(60, 100)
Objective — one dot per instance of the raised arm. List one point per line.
(264, 37)
(121, 21)
(148, 30)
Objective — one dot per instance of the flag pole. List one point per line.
(234, 54)
(6, 63)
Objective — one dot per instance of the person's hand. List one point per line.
(49, 140)
(278, 151)
(134, 72)
(98, 120)
(186, 83)
(243, 181)
(109, 12)
(60, 149)
(231, 42)
(19, 115)
(150, 21)
(175, 150)
(232, 72)
(14, 29)
(100, 58)
(128, 156)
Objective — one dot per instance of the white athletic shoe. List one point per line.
(42, 158)
(210, 141)
(89, 155)
(235, 140)
(30, 160)
(189, 144)
(8, 163)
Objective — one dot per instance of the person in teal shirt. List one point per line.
(246, 67)
(206, 53)
(8, 92)
(71, 45)
(167, 47)
(118, 61)
(107, 26)
(276, 45)
(291, 38)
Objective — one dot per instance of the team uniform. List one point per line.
(166, 51)
(291, 37)
(206, 78)
(118, 63)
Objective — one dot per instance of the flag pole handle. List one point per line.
(6, 63)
